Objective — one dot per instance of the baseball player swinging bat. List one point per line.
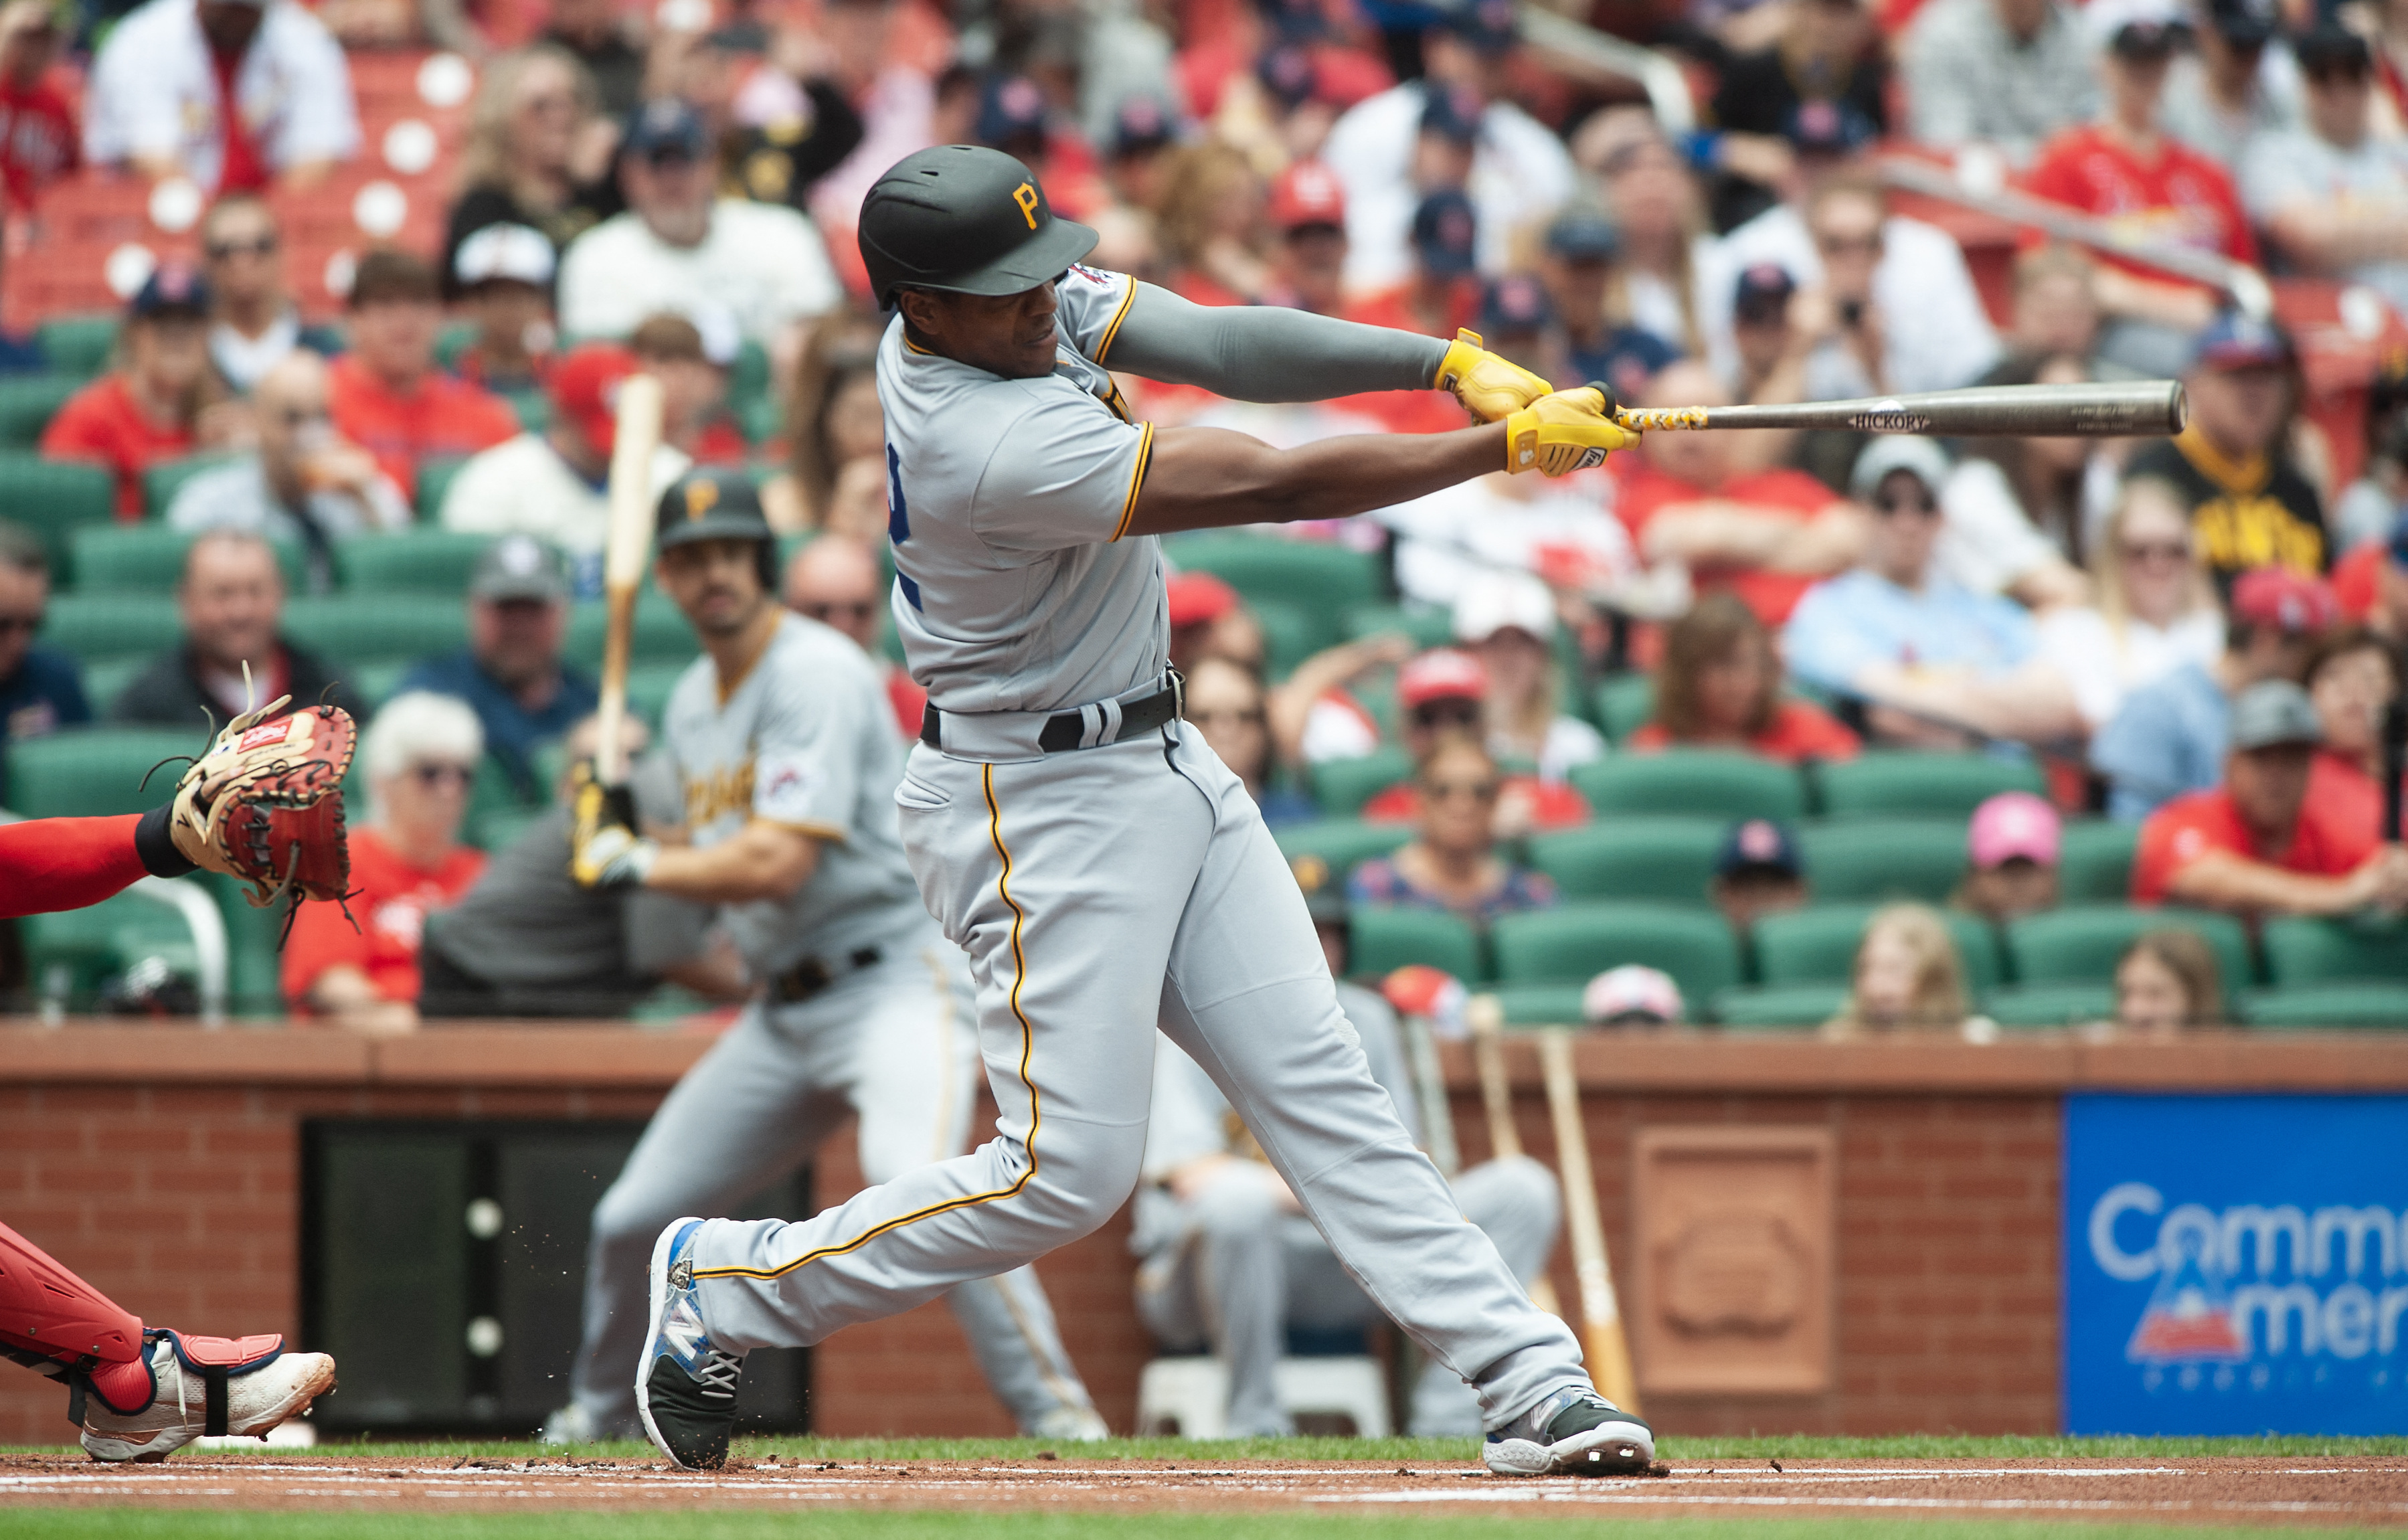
(1486, 1019)
(624, 552)
(1602, 1341)
(2128, 410)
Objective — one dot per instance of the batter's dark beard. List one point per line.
(730, 628)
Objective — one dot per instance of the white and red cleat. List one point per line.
(205, 1386)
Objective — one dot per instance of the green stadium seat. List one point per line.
(254, 945)
(1291, 634)
(1540, 1004)
(410, 561)
(1624, 703)
(96, 772)
(148, 558)
(1891, 785)
(1341, 786)
(532, 408)
(1867, 861)
(661, 634)
(1575, 942)
(452, 341)
(375, 683)
(1818, 945)
(1384, 939)
(54, 498)
(356, 629)
(1632, 859)
(104, 679)
(97, 626)
(2303, 951)
(1340, 844)
(434, 480)
(69, 955)
(1785, 1005)
(27, 404)
(2335, 1005)
(749, 375)
(648, 689)
(1321, 581)
(2080, 944)
(78, 346)
(1429, 627)
(2044, 1005)
(2096, 865)
(162, 482)
(1696, 782)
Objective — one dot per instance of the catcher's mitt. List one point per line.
(266, 803)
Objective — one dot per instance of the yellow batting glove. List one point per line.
(1570, 430)
(1488, 386)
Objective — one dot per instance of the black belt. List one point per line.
(1066, 730)
(809, 976)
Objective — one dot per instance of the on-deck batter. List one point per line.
(1101, 866)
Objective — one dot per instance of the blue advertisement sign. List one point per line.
(2236, 1264)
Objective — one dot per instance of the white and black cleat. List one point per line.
(1572, 1432)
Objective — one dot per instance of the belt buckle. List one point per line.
(1178, 693)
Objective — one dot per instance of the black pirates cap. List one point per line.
(711, 505)
(964, 219)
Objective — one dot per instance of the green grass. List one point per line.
(835, 1525)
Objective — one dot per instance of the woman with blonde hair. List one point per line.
(538, 153)
(1655, 201)
(2155, 609)
(833, 422)
(1907, 976)
(2168, 980)
(1209, 226)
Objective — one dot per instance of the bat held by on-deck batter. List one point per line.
(628, 544)
(2122, 410)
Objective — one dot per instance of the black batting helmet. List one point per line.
(717, 505)
(966, 220)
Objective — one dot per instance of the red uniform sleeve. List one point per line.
(322, 935)
(52, 864)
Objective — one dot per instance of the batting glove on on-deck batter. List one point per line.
(1570, 430)
(1488, 386)
(604, 849)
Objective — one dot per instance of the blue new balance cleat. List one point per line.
(685, 1387)
(1575, 1432)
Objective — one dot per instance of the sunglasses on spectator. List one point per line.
(1906, 502)
(1447, 714)
(295, 417)
(1479, 791)
(2333, 75)
(1247, 717)
(1835, 245)
(670, 157)
(2149, 551)
(30, 625)
(858, 610)
(258, 246)
(433, 775)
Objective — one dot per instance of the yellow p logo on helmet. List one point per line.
(1025, 195)
(700, 498)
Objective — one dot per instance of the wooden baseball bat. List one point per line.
(2128, 410)
(625, 552)
(1486, 1019)
(1602, 1341)
(1429, 1089)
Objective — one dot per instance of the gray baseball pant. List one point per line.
(1097, 892)
(891, 1042)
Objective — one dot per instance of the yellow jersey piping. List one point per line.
(1027, 1049)
(1136, 477)
(1114, 330)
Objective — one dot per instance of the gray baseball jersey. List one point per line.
(1008, 502)
(805, 738)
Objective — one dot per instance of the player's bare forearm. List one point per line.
(1208, 477)
(762, 861)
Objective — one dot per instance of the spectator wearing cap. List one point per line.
(2330, 193)
(2171, 737)
(252, 320)
(1576, 266)
(161, 402)
(1632, 995)
(2003, 73)
(692, 366)
(234, 655)
(1451, 862)
(2351, 678)
(1938, 664)
(1861, 269)
(2155, 610)
(1308, 208)
(1519, 169)
(2125, 167)
(2257, 844)
(387, 395)
(1816, 93)
(2012, 844)
(41, 687)
(682, 247)
(1758, 871)
(1719, 686)
(1207, 619)
(237, 94)
(555, 484)
(1517, 321)
(39, 142)
(538, 152)
(840, 583)
(1507, 620)
(1145, 128)
(1764, 535)
(503, 277)
(2232, 88)
(1444, 695)
(2250, 505)
(1226, 702)
(1441, 293)
(510, 673)
(1771, 351)
(304, 483)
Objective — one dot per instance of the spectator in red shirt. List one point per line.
(38, 142)
(2257, 844)
(692, 366)
(386, 393)
(1764, 535)
(1719, 687)
(1308, 207)
(2127, 169)
(1443, 295)
(2352, 676)
(1444, 695)
(839, 582)
(162, 402)
(419, 756)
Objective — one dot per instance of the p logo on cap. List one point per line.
(700, 498)
(1025, 195)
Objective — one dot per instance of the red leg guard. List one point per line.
(47, 1308)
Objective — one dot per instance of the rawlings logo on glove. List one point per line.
(264, 803)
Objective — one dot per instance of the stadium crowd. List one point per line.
(2171, 659)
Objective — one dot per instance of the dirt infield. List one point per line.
(2224, 1491)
